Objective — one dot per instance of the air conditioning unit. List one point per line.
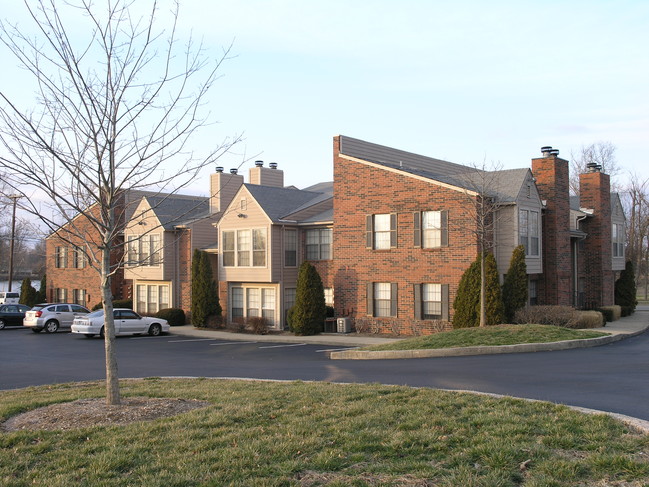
(344, 325)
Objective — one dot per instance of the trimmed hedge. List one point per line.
(590, 319)
(175, 316)
(611, 313)
(564, 316)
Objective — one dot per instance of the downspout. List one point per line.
(575, 276)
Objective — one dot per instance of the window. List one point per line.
(528, 231)
(290, 248)
(532, 292)
(79, 258)
(237, 302)
(318, 244)
(248, 302)
(61, 257)
(431, 301)
(228, 249)
(250, 248)
(151, 298)
(381, 231)
(382, 299)
(618, 240)
(430, 229)
(61, 295)
(143, 250)
(329, 296)
(259, 247)
(79, 296)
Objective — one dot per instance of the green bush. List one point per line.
(308, 315)
(205, 296)
(467, 299)
(590, 319)
(625, 290)
(175, 316)
(611, 313)
(514, 290)
(495, 310)
(41, 294)
(564, 316)
(28, 294)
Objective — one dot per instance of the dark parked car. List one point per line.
(12, 314)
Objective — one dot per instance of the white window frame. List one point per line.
(318, 244)
(245, 247)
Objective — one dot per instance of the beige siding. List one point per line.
(145, 223)
(204, 234)
(254, 218)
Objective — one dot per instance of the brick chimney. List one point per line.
(552, 180)
(595, 194)
(266, 176)
(223, 187)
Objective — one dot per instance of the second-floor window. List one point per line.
(61, 257)
(528, 231)
(143, 250)
(244, 248)
(618, 240)
(430, 229)
(318, 244)
(290, 248)
(381, 231)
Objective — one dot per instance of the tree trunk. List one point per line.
(483, 290)
(112, 376)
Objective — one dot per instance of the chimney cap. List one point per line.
(219, 169)
(273, 165)
(554, 152)
(259, 163)
(234, 170)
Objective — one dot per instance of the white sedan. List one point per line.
(127, 322)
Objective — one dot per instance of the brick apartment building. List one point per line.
(390, 237)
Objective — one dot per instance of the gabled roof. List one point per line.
(279, 202)
(176, 209)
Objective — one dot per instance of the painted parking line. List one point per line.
(228, 343)
(193, 340)
(337, 349)
(284, 346)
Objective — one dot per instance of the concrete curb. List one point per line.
(479, 350)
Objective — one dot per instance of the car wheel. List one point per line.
(89, 335)
(2, 324)
(37, 330)
(155, 330)
(101, 332)
(51, 326)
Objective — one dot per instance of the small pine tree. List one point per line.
(467, 299)
(309, 312)
(28, 294)
(625, 289)
(41, 294)
(205, 297)
(494, 301)
(515, 286)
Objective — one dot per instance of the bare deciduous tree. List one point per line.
(599, 153)
(118, 104)
(635, 198)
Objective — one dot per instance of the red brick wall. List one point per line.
(552, 180)
(87, 278)
(595, 193)
(361, 190)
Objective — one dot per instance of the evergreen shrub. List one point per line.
(175, 316)
(309, 312)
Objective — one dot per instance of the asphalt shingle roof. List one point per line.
(279, 202)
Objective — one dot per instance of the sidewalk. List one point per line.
(620, 329)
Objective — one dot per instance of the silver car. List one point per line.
(52, 317)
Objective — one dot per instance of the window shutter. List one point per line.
(393, 230)
(370, 299)
(416, 216)
(417, 290)
(393, 299)
(444, 221)
(369, 233)
(445, 304)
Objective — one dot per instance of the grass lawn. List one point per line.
(489, 335)
(313, 434)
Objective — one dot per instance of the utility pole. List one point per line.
(11, 244)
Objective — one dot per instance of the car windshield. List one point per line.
(96, 314)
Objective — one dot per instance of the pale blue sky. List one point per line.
(465, 81)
